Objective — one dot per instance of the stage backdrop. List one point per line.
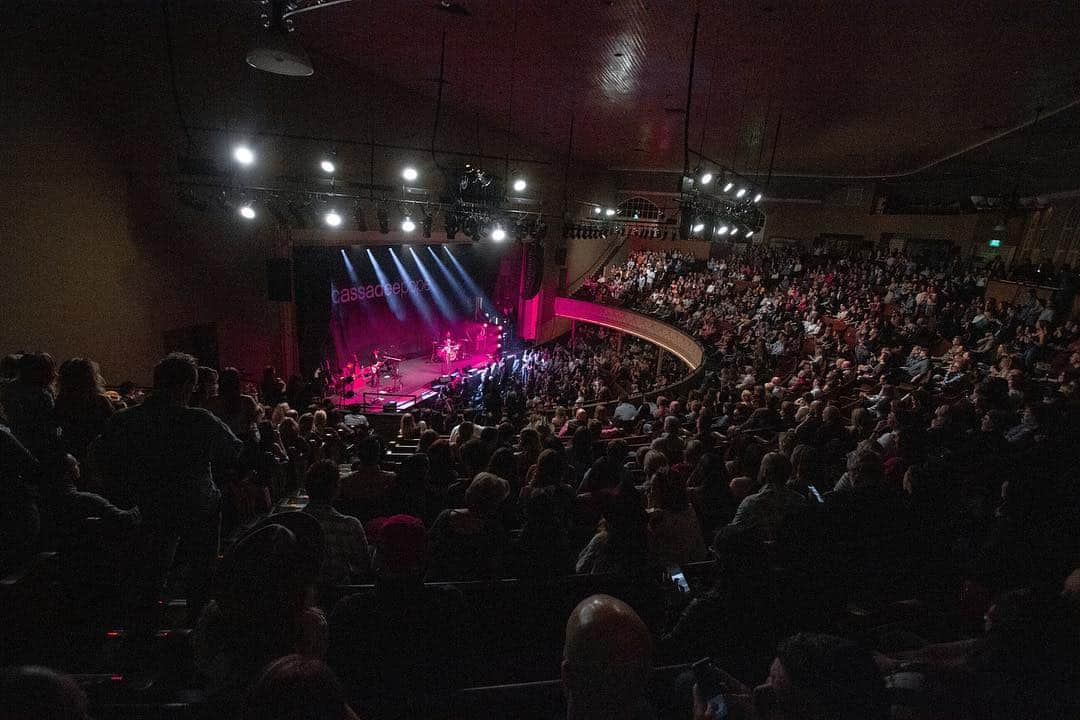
(353, 300)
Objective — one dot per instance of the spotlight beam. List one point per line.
(417, 297)
(353, 276)
(459, 291)
(469, 282)
(436, 291)
(396, 306)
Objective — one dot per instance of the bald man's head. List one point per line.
(606, 658)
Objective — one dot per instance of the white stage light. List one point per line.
(722, 230)
(742, 192)
(699, 227)
(609, 212)
(734, 232)
(408, 225)
(727, 188)
(243, 155)
(706, 178)
(410, 174)
(757, 198)
(520, 185)
(327, 166)
(596, 210)
(498, 234)
(332, 218)
(247, 212)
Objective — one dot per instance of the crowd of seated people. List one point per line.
(867, 506)
(640, 273)
(596, 365)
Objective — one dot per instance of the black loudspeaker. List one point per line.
(390, 406)
(279, 279)
(534, 269)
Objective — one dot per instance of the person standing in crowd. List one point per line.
(161, 454)
(271, 388)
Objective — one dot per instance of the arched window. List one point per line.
(638, 208)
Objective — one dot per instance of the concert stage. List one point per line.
(417, 376)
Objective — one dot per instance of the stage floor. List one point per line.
(416, 378)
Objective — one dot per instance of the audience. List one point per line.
(874, 439)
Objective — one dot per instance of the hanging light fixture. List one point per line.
(277, 50)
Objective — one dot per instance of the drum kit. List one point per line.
(446, 351)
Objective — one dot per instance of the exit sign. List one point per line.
(995, 243)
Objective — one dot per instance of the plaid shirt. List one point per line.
(346, 545)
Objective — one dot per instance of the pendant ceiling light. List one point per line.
(276, 49)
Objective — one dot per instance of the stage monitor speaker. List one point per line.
(444, 379)
(389, 406)
(279, 279)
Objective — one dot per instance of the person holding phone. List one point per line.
(813, 677)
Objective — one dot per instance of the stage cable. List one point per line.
(170, 61)
(438, 100)
(689, 98)
(510, 94)
(566, 166)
